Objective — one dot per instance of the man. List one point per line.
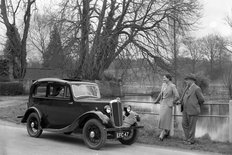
(191, 100)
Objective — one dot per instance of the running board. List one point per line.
(68, 128)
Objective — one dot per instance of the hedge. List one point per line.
(11, 88)
(4, 70)
(109, 89)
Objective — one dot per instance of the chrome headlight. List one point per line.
(107, 109)
(128, 108)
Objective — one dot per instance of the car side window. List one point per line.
(67, 94)
(56, 90)
(40, 90)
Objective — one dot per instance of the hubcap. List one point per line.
(92, 134)
(34, 127)
(32, 124)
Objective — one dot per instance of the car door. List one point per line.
(59, 104)
(39, 100)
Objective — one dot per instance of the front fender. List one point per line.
(93, 114)
(28, 112)
(131, 119)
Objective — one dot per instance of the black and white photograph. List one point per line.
(110, 77)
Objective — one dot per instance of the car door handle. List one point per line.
(70, 102)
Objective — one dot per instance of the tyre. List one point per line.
(33, 125)
(94, 134)
(131, 138)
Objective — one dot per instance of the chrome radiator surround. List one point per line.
(117, 113)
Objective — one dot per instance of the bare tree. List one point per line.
(104, 29)
(228, 20)
(227, 80)
(9, 11)
(213, 49)
(195, 50)
(223, 51)
(39, 32)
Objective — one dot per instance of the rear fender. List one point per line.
(28, 112)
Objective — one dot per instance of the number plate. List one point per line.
(122, 134)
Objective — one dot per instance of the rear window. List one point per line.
(40, 90)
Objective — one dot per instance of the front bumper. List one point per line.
(118, 129)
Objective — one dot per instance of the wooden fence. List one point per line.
(225, 116)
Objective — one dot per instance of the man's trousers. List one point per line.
(189, 126)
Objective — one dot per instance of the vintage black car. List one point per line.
(69, 106)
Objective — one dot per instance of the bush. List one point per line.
(4, 70)
(202, 82)
(109, 86)
(109, 89)
(11, 88)
(155, 94)
(109, 77)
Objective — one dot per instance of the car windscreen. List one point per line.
(85, 90)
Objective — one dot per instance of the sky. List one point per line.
(214, 14)
(213, 21)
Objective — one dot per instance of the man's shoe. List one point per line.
(167, 134)
(161, 138)
(185, 141)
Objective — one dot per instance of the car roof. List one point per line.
(62, 81)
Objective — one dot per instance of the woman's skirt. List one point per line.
(165, 117)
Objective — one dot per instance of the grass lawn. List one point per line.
(147, 135)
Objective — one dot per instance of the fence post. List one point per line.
(230, 121)
(172, 123)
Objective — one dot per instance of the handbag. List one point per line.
(181, 108)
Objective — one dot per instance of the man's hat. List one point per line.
(190, 77)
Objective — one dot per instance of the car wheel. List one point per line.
(94, 134)
(131, 138)
(33, 125)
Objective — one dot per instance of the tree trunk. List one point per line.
(18, 45)
(84, 44)
(95, 61)
(175, 50)
(16, 51)
(211, 67)
(193, 66)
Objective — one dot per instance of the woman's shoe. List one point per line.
(167, 134)
(161, 139)
(162, 134)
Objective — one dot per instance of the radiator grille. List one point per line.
(117, 115)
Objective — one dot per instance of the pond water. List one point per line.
(215, 128)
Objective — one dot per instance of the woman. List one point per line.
(167, 97)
